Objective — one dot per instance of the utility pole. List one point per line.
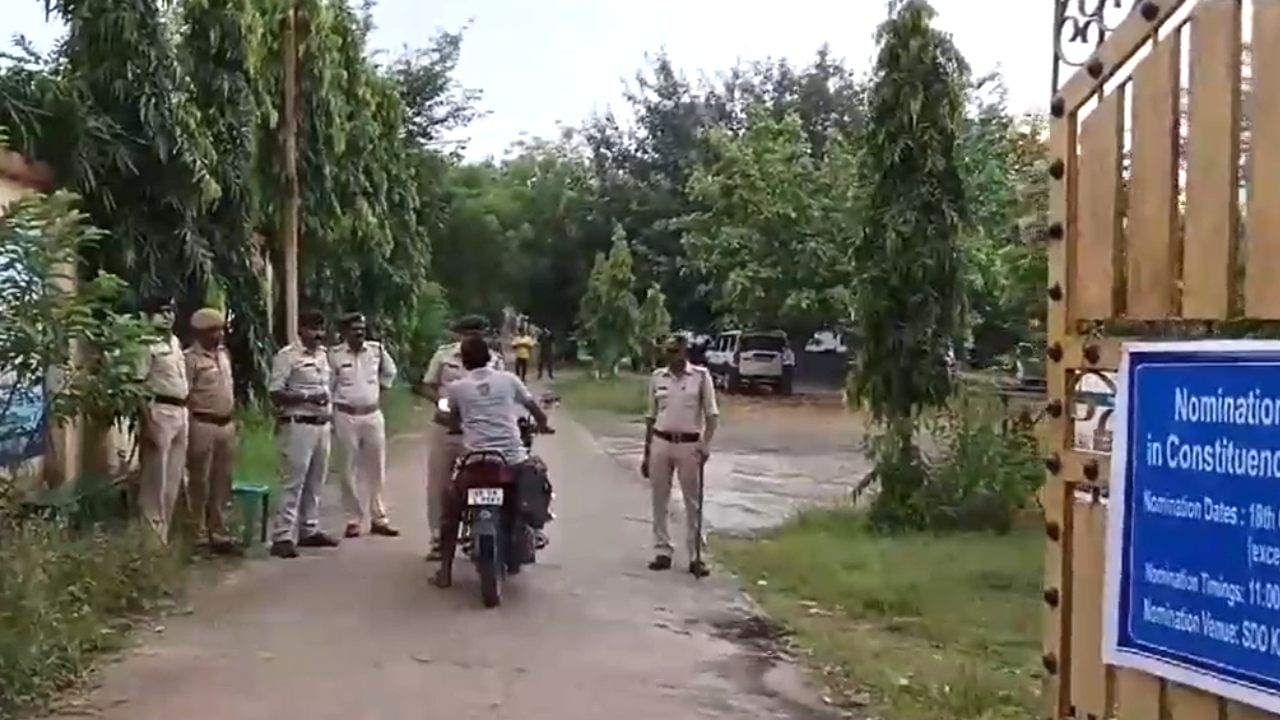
(293, 195)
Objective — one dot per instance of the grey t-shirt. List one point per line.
(490, 401)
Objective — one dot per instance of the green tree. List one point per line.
(775, 238)
(610, 314)
(908, 256)
(55, 319)
(654, 325)
(1004, 162)
(217, 49)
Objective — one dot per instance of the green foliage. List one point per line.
(775, 238)
(218, 45)
(908, 255)
(65, 597)
(987, 469)
(51, 316)
(121, 58)
(434, 101)
(987, 472)
(1004, 161)
(653, 325)
(609, 310)
(536, 213)
(167, 120)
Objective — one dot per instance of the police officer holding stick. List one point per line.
(680, 425)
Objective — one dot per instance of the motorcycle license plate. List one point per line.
(484, 496)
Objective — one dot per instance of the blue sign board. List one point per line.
(1193, 557)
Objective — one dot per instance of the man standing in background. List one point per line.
(212, 446)
(299, 386)
(523, 347)
(164, 421)
(547, 354)
(361, 370)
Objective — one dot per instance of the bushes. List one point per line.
(984, 470)
(65, 596)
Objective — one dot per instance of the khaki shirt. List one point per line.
(446, 366)
(212, 387)
(358, 378)
(165, 369)
(297, 370)
(682, 403)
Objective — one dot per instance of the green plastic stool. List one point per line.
(246, 496)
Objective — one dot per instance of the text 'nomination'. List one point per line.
(1221, 456)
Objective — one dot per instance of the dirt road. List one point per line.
(357, 633)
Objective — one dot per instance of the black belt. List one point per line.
(305, 419)
(169, 400)
(677, 438)
(355, 410)
(211, 419)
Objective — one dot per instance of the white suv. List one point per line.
(739, 359)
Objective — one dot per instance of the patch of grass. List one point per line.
(920, 626)
(66, 596)
(621, 395)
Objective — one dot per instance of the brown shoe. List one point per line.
(383, 529)
(352, 531)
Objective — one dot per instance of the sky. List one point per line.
(543, 63)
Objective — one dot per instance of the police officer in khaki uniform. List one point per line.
(212, 446)
(444, 447)
(680, 425)
(299, 385)
(164, 422)
(361, 369)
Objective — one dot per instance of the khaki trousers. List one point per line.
(163, 458)
(443, 451)
(665, 461)
(304, 462)
(210, 460)
(362, 439)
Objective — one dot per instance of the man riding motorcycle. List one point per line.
(485, 405)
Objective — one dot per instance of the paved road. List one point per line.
(358, 634)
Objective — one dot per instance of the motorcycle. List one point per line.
(499, 510)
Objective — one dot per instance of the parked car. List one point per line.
(1029, 369)
(755, 358)
(826, 341)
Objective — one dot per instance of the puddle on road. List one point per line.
(753, 490)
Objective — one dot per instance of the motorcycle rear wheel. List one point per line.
(487, 564)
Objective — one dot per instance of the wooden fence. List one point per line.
(1165, 222)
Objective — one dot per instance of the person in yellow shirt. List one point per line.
(523, 346)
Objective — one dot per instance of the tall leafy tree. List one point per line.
(908, 256)
(776, 235)
(610, 313)
(653, 325)
(434, 100)
(120, 56)
(217, 48)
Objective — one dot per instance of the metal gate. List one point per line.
(1164, 222)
